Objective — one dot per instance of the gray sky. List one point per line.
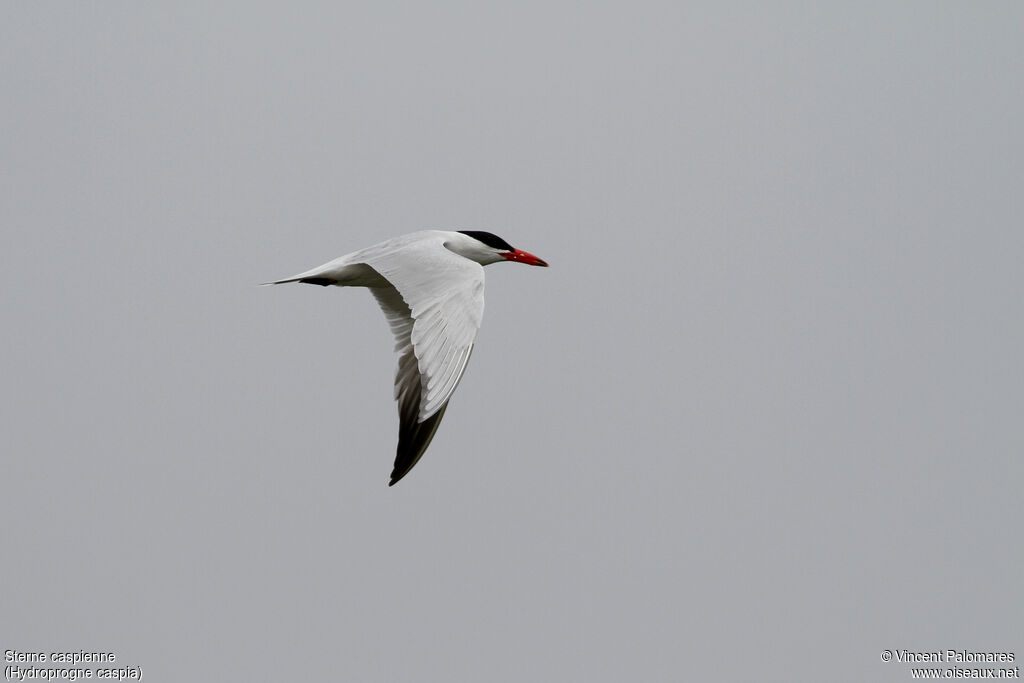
(760, 420)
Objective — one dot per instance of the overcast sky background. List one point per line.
(760, 420)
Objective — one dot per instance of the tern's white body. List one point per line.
(430, 285)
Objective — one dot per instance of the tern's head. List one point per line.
(484, 248)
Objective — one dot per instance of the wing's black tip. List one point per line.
(397, 476)
(413, 439)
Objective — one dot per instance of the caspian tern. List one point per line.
(430, 285)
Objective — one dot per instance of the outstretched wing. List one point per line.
(434, 305)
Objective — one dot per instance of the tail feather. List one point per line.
(322, 281)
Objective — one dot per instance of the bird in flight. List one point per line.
(430, 285)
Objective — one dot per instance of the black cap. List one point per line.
(490, 239)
